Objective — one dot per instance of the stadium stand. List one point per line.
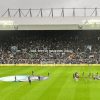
(50, 47)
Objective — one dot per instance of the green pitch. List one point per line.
(59, 86)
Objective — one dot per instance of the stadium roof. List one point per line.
(59, 19)
(50, 19)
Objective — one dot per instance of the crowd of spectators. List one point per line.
(50, 49)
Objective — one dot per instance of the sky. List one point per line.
(4, 4)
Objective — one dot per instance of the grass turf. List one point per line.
(59, 86)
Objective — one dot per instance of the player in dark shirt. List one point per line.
(33, 73)
(29, 79)
(39, 78)
(48, 74)
(15, 78)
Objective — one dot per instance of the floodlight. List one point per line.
(6, 22)
(91, 21)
